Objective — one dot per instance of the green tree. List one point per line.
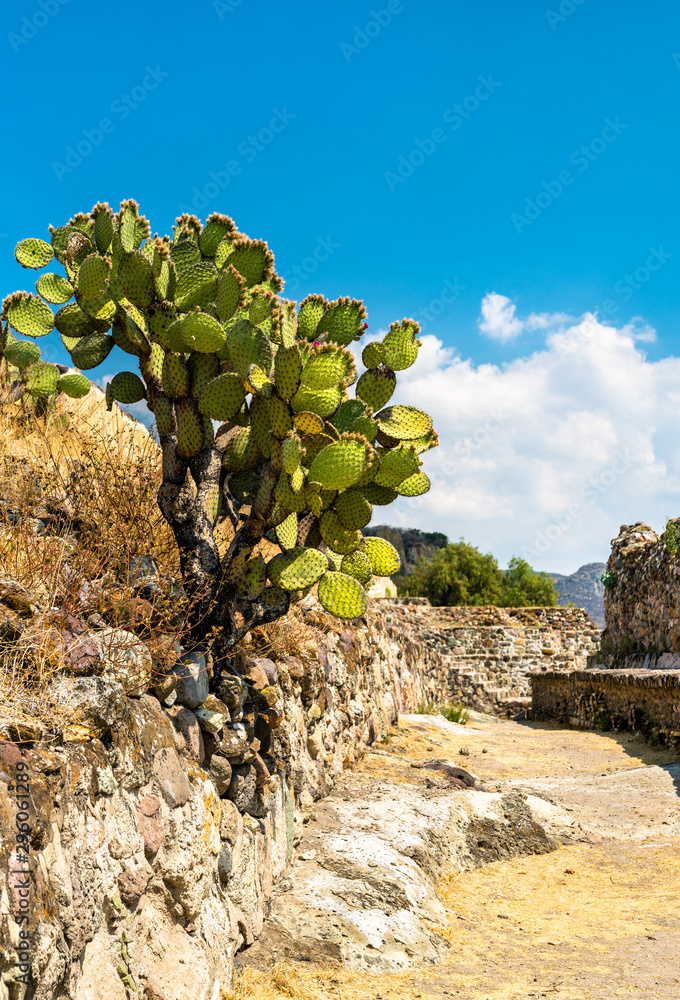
(461, 575)
(458, 574)
(523, 587)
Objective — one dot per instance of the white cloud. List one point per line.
(547, 455)
(498, 317)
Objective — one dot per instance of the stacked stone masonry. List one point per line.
(484, 658)
(159, 821)
(642, 593)
(634, 699)
(634, 681)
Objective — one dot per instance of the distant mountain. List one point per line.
(584, 589)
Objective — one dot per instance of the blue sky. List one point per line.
(421, 156)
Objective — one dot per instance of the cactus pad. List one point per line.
(72, 321)
(377, 386)
(373, 354)
(230, 293)
(126, 387)
(103, 227)
(342, 321)
(287, 370)
(246, 346)
(326, 366)
(308, 423)
(279, 417)
(183, 254)
(88, 352)
(196, 286)
(401, 346)
(322, 402)
(22, 353)
(288, 498)
(347, 415)
(102, 309)
(54, 288)
(404, 422)
(33, 253)
(42, 379)
(241, 451)
(379, 496)
(358, 565)
(396, 466)
(74, 384)
(28, 315)
(353, 509)
(342, 595)
(135, 277)
(286, 533)
(414, 486)
(291, 454)
(261, 306)
(384, 557)
(201, 332)
(215, 230)
(253, 260)
(341, 464)
(175, 375)
(259, 383)
(284, 324)
(203, 368)
(164, 412)
(223, 397)
(309, 316)
(298, 568)
(338, 538)
(253, 579)
(190, 429)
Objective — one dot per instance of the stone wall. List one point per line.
(160, 816)
(485, 657)
(639, 700)
(642, 597)
(154, 842)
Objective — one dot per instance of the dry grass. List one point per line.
(96, 475)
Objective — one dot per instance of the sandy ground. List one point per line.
(596, 919)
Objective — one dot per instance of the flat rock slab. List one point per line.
(361, 888)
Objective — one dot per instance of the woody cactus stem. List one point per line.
(295, 458)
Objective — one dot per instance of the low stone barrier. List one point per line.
(484, 657)
(636, 699)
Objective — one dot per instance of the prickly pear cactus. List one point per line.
(306, 446)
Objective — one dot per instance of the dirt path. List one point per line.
(596, 918)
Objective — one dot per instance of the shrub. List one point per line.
(460, 575)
